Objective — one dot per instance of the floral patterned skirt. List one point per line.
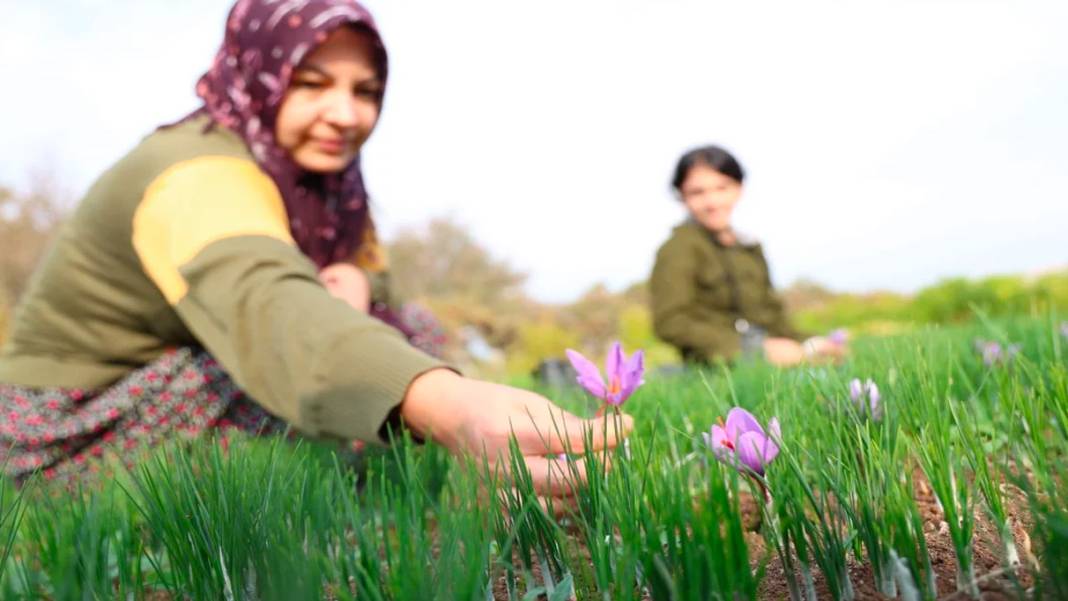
(68, 434)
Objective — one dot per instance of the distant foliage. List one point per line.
(28, 221)
(443, 260)
(539, 340)
(442, 266)
(955, 300)
(3, 320)
(636, 332)
(950, 301)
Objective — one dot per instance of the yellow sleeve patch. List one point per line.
(197, 202)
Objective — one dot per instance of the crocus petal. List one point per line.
(631, 374)
(774, 429)
(839, 336)
(588, 374)
(750, 450)
(855, 389)
(740, 421)
(719, 442)
(614, 361)
(771, 448)
(873, 395)
(721, 445)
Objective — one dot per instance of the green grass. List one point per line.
(269, 519)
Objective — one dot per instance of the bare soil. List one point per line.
(995, 582)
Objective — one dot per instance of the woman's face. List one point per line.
(332, 103)
(710, 197)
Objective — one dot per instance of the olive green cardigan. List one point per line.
(185, 241)
(700, 289)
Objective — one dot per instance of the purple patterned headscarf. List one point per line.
(265, 41)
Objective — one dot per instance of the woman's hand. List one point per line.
(473, 417)
(820, 349)
(348, 283)
(783, 352)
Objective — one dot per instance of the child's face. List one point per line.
(332, 103)
(710, 197)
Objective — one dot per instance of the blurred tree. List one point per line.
(28, 222)
(539, 340)
(443, 260)
(594, 318)
(636, 332)
(3, 320)
(805, 294)
(442, 266)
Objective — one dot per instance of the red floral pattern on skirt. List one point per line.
(66, 432)
(426, 332)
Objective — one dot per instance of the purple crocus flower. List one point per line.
(995, 354)
(624, 374)
(1064, 329)
(742, 443)
(866, 397)
(839, 336)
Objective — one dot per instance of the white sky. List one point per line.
(888, 143)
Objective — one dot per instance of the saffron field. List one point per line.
(927, 466)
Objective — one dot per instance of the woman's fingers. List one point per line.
(556, 477)
(549, 476)
(511, 497)
(567, 434)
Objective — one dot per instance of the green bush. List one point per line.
(878, 313)
(954, 300)
(636, 332)
(539, 340)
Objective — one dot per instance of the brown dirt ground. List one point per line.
(994, 585)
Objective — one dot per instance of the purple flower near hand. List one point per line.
(742, 443)
(866, 397)
(839, 336)
(624, 374)
(995, 354)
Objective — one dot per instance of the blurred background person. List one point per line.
(710, 289)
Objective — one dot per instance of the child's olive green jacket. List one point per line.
(704, 294)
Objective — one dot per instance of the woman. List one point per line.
(711, 290)
(186, 294)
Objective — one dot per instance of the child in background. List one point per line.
(711, 289)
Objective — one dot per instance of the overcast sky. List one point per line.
(888, 144)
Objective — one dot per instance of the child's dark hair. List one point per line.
(713, 157)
